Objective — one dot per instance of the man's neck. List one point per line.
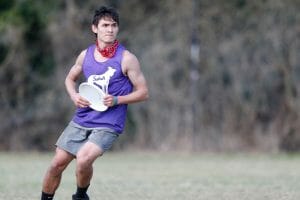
(107, 51)
(102, 45)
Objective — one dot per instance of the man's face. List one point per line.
(106, 30)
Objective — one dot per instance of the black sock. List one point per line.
(81, 192)
(46, 196)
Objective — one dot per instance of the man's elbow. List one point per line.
(145, 95)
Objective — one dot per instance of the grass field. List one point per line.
(161, 176)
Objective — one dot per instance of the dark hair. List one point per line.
(104, 11)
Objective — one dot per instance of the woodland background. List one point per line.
(223, 75)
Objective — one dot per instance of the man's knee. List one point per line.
(84, 163)
(57, 167)
(87, 155)
(59, 162)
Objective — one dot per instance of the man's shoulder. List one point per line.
(89, 48)
(81, 56)
(82, 53)
(128, 56)
(129, 61)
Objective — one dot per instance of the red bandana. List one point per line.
(108, 51)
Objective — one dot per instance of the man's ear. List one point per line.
(94, 29)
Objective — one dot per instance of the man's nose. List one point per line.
(110, 28)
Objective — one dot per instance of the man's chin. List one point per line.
(110, 41)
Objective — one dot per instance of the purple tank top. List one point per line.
(119, 85)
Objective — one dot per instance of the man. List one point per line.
(90, 133)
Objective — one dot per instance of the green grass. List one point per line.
(161, 176)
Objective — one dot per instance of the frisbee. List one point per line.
(93, 94)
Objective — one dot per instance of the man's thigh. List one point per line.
(103, 138)
(99, 141)
(61, 158)
(89, 152)
(72, 139)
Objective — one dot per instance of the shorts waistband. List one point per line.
(74, 124)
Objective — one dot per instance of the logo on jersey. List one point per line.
(102, 81)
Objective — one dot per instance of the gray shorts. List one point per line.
(75, 136)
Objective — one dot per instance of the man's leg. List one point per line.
(84, 167)
(54, 173)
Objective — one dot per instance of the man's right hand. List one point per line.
(79, 101)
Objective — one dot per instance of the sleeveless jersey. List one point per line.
(119, 85)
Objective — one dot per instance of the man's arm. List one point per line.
(131, 68)
(71, 79)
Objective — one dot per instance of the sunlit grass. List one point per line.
(160, 176)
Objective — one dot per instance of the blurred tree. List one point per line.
(245, 94)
